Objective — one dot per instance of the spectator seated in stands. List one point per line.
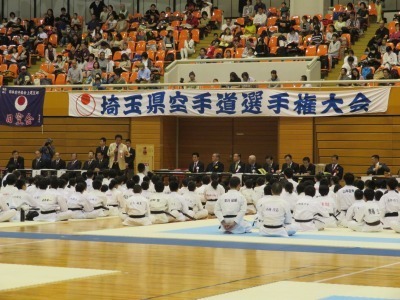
(152, 12)
(211, 49)
(247, 78)
(233, 77)
(204, 25)
(349, 65)
(363, 16)
(260, 19)
(191, 21)
(248, 10)
(168, 41)
(111, 23)
(202, 54)
(386, 76)
(143, 74)
(333, 50)
(292, 40)
(382, 47)
(163, 21)
(340, 24)
(330, 31)
(381, 33)
(258, 5)
(151, 23)
(395, 36)
(284, 9)
(188, 47)
(92, 24)
(228, 54)
(305, 26)
(226, 39)
(41, 36)
(374, 58)
(274, 78)
(284, 24)
(116, 43)
(24, 78)
(50, 54)
(317, 38)
(317, 23)
(247, 49)
(343, 76)
(74, 75)
(250, 30)
(106, 65)
(192, 79)
(261, 48)
(117, 79)
(355, 75)
(228, 24)
(122, 24)
(352, 27)
(389, 59)
(75, 21)
(305, 85)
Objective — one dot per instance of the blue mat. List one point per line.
(213, 230)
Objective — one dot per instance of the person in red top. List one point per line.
(211, 49)
(191, 20)
(395, 36)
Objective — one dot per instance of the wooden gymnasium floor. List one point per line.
(192, 260)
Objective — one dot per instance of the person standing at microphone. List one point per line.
(117, 153)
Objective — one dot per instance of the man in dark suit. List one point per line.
(58, 163)
(215, 166)
(334, 168)
(74, 164)
(196, 166)
(91, 163)
(270, 166)
(103, 148)
(38, 163)
(15, 162)
(252, 166)
(131, 159)
(377, 167)
(237, 166)
(289, 163)
(102, 163)
(307, 167)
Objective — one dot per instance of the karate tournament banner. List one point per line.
(229, 103)
(21, 106)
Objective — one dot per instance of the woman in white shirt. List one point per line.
(226, 38)
(350, 54)
(50, 54)
(188, 47)
(248, 10)
(292, 38)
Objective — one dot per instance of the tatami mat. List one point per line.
(13, 276)
(289, 290)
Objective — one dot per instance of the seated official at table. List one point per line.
(102, 163)
(334, 168)
(91, 163)
(289, 163)
(74, 164)
(15, 162)
(252, 166)
(196, 166)
(237, 166)
(377, 167)
(38, 162)
(58, 163)
(270, 166)
(307, 167)
(215, 165)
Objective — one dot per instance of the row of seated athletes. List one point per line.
(153, 203)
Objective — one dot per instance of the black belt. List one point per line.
(137, 216)
(392, 214)
(345, 210)
(212, 200)
(190, 208)
(230, 216)
(304, 221)
(373, 223)
(47, 212)
(273, 227)
(331, 215)
(75, 208)
(113, 205)
(186, 215)
(100, 207)
(157, 212)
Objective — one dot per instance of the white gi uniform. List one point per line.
(211, 195)
(295, 183)
(195, 206)
(389, 207)
(259, 206)
(141, 176)
(138, 211)
(291, 199)
(7, 191)
(146, 194)
(232, 207)
(6, 214)
(114, 202)
(158, 206)
(259, 190)
(276, 218)
(344, 199)
(250, 196)
(81, 207)
(328, 203)
(21, 200)
(99, 202)
(305, 213)
(53, 207)
(351, 212)
(368, 218)
(176, 207)
(89, 185)
(395, 225)
(200, 192)
(183, 190)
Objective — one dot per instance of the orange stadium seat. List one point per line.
(240, 21)
(175, 23)
(261, 29)
(132, 35)
(44, 67)
(1, 80)
(132, 46)
(173, 52)
(3, 68)
(141, 46)
(52, 77)
(271, 21)
(219, 50)
(117, 56)
(14, 69)
(348, 38)
(273, 28)
(196, 35)
(160, 55)
(311, 50)
(239, 52)
(61, 79)
(296, 19)
(151, 54)
(273, 41)
(160, 65)
(163, 33)
(322, 50)
(217, 15)
(40, 50)
(125, 75)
